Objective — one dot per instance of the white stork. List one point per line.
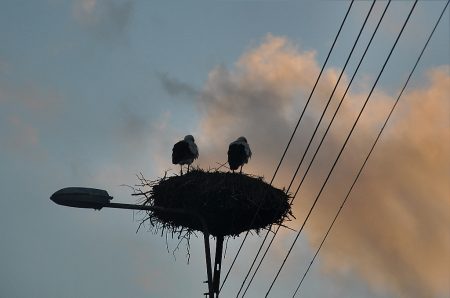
(238, 153)
(184, 152)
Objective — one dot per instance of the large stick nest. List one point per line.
(229, 203)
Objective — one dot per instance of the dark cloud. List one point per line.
(133, 124)
(106, 20)
(174, 87)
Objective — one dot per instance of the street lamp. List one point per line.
(82, 197)
(92, 198)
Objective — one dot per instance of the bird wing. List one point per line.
(194, 149)
(247, 150)
(178, 151)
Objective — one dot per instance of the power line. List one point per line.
(289, 142)
(342, 149)
(324, 135)
(370, 152)
(302, 159)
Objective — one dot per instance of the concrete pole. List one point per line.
(218, 264)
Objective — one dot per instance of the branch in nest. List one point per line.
(226, 201)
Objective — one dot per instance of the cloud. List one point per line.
(31, 98)
(261, 99)
(21, 138)
(135, 134)
(394, 231)
(107, 20)
(174, 87)
(396, 225)
(25, 111)
(25, 136)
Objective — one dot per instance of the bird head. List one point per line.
(242, 139)
(189, 138)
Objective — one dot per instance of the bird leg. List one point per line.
(188, 168)
(240, 172)
(181, 170)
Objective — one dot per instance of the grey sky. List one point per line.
(93, 92)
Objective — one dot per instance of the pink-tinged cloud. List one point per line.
(105, 19)
(27, 110)
(25, 136)
(31, 98)
(395, 228)
(394, 231)
(22, 138)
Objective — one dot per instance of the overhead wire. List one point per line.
(290, 141)
(371, 149)
(323, 137)
(302, 159)
(341, 150)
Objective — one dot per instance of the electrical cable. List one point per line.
(293, 198)
(289, 142)
(301, 161)
(370, 152)
(342, 149)
(323, 137)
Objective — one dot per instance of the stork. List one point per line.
(184, 152)
(238, 153)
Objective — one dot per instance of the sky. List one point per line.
(94, 92)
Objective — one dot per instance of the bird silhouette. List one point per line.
(238, 153)
(184, 152)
